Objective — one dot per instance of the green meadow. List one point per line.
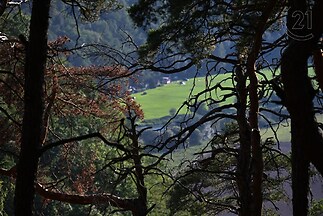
(157, 102)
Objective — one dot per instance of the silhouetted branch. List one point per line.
(80, 138)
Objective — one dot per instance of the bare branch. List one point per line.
(80, 138)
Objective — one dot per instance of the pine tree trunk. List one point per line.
(244, 159)
(307, 141)
(36, 54)
(299, 103)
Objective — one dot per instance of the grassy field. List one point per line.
(157, 102)
(283, 133)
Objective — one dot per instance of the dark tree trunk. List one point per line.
(141, 201)
(250, 155)
(307, 142)
(299, 104)
(257, 158)
(3, 6)
(36, 54)
(300, 180)
(243, 165)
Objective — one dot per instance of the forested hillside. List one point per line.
(113, 29)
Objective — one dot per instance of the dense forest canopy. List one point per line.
(77, 78)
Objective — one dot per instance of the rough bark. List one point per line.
(36, 55)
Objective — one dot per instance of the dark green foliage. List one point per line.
(183, 200)
(6, 196)
(91, 10)
(144, 14)
(208, 186)
(316, 208)
(106, 26)
(6, 186)
(14, 24)
(193, 27)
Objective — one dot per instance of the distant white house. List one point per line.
(132, 89)
(166, 80)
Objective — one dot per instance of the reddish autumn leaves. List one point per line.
(98, 91)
